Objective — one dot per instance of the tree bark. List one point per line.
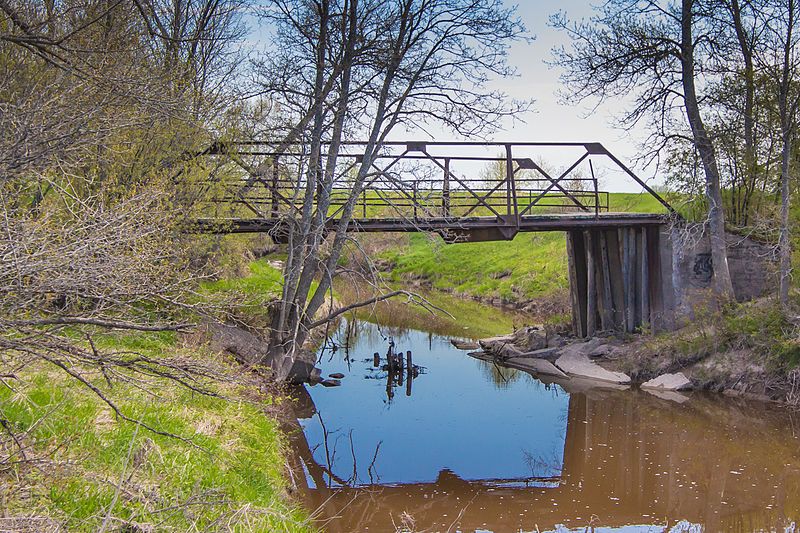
(723, 285)
(749, 106)
(787, 112)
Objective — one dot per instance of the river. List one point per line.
(473, 447)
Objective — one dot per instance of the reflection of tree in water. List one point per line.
(353, 332)
(502, 377)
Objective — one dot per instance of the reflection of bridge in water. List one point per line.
(629, 458)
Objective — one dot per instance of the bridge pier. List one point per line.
(620, 279)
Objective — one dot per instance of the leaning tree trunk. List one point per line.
(723, 286)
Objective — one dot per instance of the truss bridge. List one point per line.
(464, 191)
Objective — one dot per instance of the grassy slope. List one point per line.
(533, 265)
(236, 482)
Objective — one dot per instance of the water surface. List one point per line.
(470, 446)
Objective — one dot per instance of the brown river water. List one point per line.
(465, 445)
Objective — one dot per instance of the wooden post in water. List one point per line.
(390, 358)
(376, 360)
(409, 373)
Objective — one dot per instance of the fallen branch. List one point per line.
(113, 324)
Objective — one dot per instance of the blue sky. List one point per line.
(549, 120)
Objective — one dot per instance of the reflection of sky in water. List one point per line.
(462, 416)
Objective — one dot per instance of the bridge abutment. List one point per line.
(655, 276)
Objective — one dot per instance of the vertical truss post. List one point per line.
(509, 180)
(446, 188)
(596, 193)
(273, 210)
(364, 203)
(415, 200)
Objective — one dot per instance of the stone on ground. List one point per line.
(465, 345)
(676, 381)
(537, 366)
(575, 362)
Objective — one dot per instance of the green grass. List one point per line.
(247, 298)
(533, 264)
(263, 281)
(235, 480)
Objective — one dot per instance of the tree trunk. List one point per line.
(723, 285)
(783, 240)
(787, 112)
(750, 156)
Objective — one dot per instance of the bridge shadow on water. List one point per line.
(476, 448)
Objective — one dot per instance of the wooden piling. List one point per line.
(574, 288)
(644, 288)
(629, 273)
(604, 285)
(591, 288)
(616, 276)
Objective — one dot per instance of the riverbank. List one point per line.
(750, 350)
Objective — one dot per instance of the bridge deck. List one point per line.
(471, 228)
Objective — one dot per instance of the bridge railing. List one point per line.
(420, 180)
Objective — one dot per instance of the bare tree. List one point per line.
(360, 69)
(654, 53)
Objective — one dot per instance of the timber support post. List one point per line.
(619, 280)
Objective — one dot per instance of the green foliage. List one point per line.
(764, 327)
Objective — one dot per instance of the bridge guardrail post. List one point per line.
(446, 189)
